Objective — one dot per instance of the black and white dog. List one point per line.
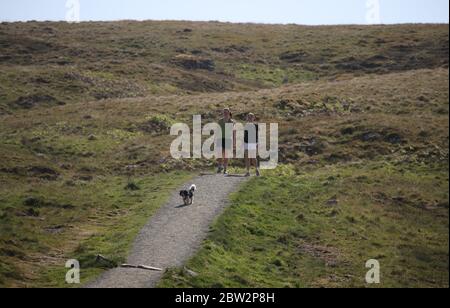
(188, 195)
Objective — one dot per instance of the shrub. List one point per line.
(157, 124)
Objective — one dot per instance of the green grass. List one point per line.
(129, 132)
(318, 229)
(76, 221)
(94, 61)
(346, 99)
(271, 76)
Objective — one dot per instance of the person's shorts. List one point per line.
(251, 146)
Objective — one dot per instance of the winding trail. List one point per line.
(173, 234)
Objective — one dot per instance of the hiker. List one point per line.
(223, 143)
(251, 144)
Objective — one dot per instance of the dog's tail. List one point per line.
(193, 188)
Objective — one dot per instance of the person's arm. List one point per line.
(234, 137)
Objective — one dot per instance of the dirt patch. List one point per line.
(12, 252)
(399, 57)
(312, 146)
(394, 138)
(386, 135)
(84, 178)
(55, 229)
(132, 187)
(28, 102)
(202, 83)
(348, 130)
(327, 254)
(192, 62)
(370, 137)
(73, 77)
(294, 56)
(14, 170)
(414, 201)
(44, 173)
(37, 202)
(334, 158)
(30, 212)
(231, 49)
(287, 104)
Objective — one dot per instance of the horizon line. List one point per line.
(219, 21)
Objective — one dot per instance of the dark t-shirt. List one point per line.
(248, 138)
(223, 124)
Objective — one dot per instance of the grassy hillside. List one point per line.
(56, 63)
(363, 112)
(319, 227)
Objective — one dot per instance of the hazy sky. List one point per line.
(266, 11)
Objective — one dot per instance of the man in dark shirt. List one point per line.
(251, 144)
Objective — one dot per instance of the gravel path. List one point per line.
(173, 234)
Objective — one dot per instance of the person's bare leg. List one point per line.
(225, 162)
(256, 162)
(247, 163)
(219, 165)
(225, 166)
(220, 162)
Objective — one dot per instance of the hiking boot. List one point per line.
(258, 173)
(220, 169)
(248, 174)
